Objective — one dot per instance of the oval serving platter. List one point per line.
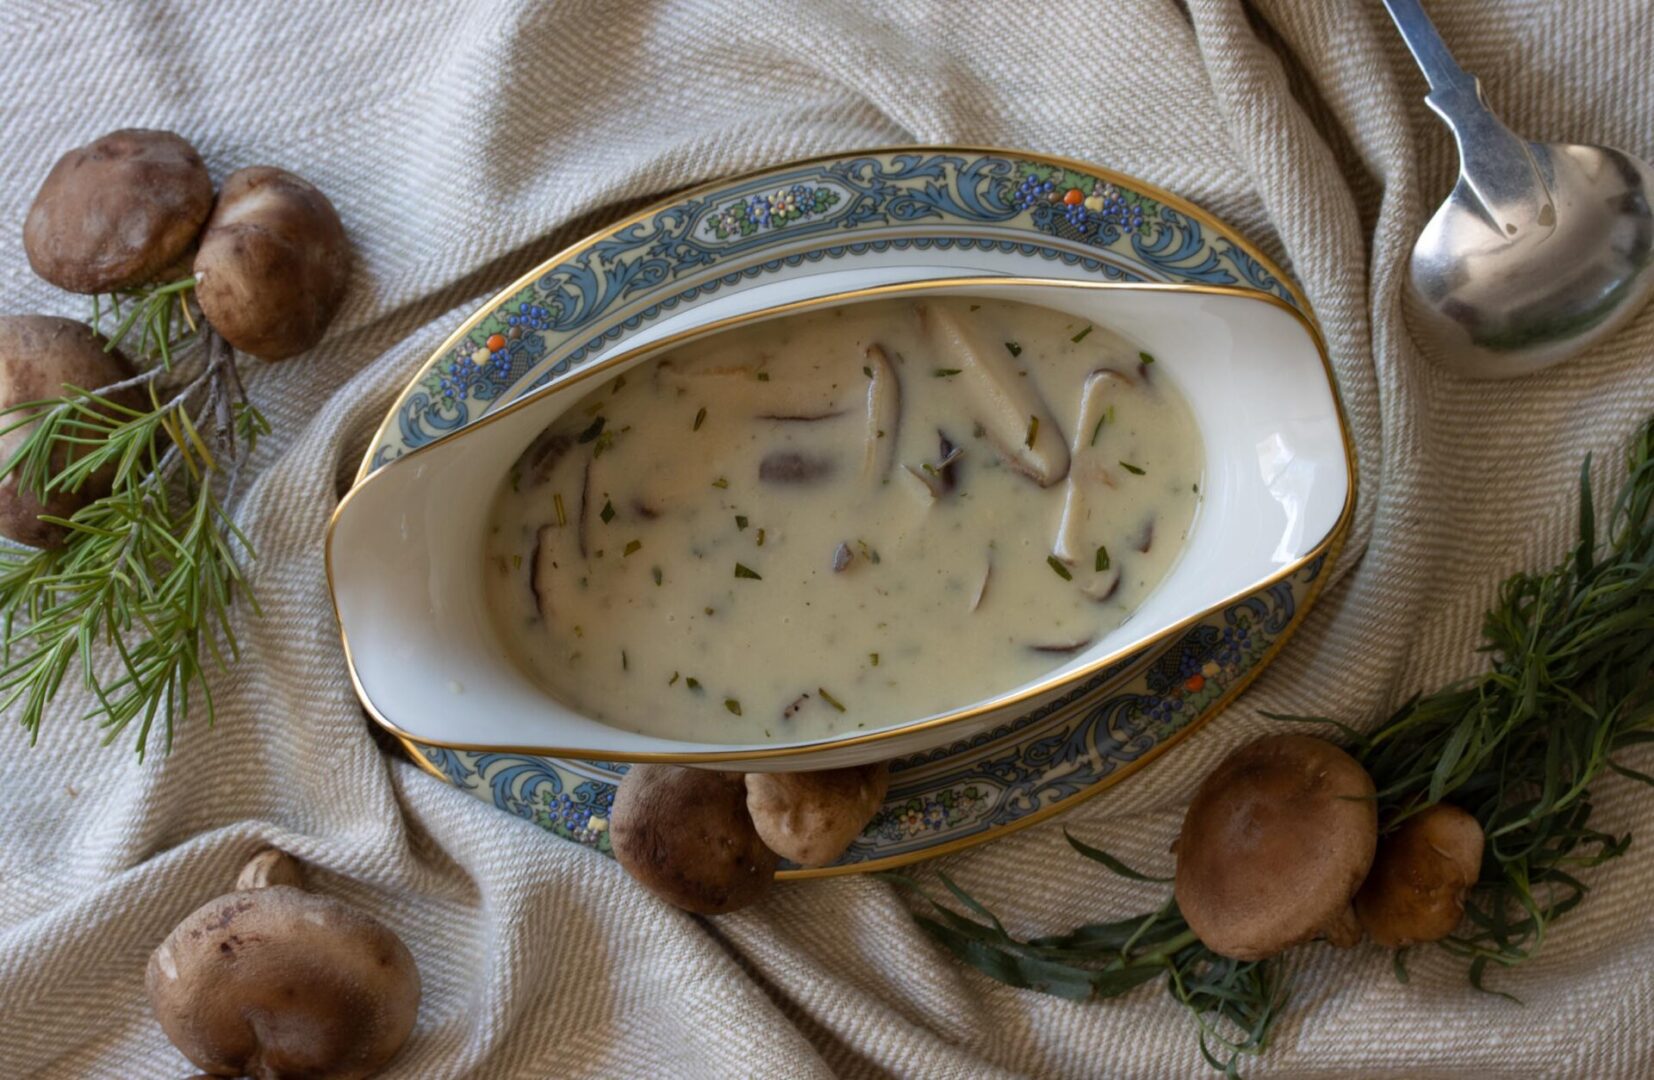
(879, 216)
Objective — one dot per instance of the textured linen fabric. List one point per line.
(465, 142)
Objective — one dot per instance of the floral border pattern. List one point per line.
(848, 207)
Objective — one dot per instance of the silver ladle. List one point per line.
(1541, 250)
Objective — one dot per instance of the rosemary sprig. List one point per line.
(150, 312)
(1234, 1004)
(149, 570)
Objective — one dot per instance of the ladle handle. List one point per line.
(1429, 50)
(1494, 162)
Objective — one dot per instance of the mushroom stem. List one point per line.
(884, 412)
(272, 866)
(812, 817)
(1010, 410)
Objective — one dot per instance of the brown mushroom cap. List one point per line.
(1276, 842)
(685, 835)
(118, 211)
(1417, 886)
(276, 982)
(811, 817)
(273, 263)
(39, 356)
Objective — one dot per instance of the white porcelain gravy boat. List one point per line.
(404, 549)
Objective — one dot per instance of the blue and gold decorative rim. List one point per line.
(1096, 225)
(605, 288)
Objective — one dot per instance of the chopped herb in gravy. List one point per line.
(955, 498)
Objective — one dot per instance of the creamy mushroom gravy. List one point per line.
(846, 519)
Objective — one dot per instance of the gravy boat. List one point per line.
(405, 546)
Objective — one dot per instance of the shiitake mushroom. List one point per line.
(120, 211)
(686, 836)
(270, 982)
(1274, 846)
(273, 263)
(44, 357)
(1416, 889)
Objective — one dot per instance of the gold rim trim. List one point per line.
(712, 757)
(1160, 194)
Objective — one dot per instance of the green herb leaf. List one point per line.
(655, 570)
(829, 698)
(557, 501)
(744, 571)
(763, 376)
(673, 680)
(1057, 566)
(1145, 358)
(608, 512)
(632, 546)
(1102, 558)
(1129, 467)
(1013, 348)
(741, 521)
(1081, 336)
(760, 537)
(700, 418)
(866, 370)
(732, 705)
(874, 657)
(1098, 430)
(944, 372)
(1033, 430)
(1115, 865)
(1234, 1004)
(692, 683)
(720, 483)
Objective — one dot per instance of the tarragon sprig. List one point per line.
(1571, 684)
(1234, 1003)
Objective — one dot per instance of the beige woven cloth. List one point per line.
(465, 142)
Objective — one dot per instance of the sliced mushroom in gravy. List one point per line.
(843, 520)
